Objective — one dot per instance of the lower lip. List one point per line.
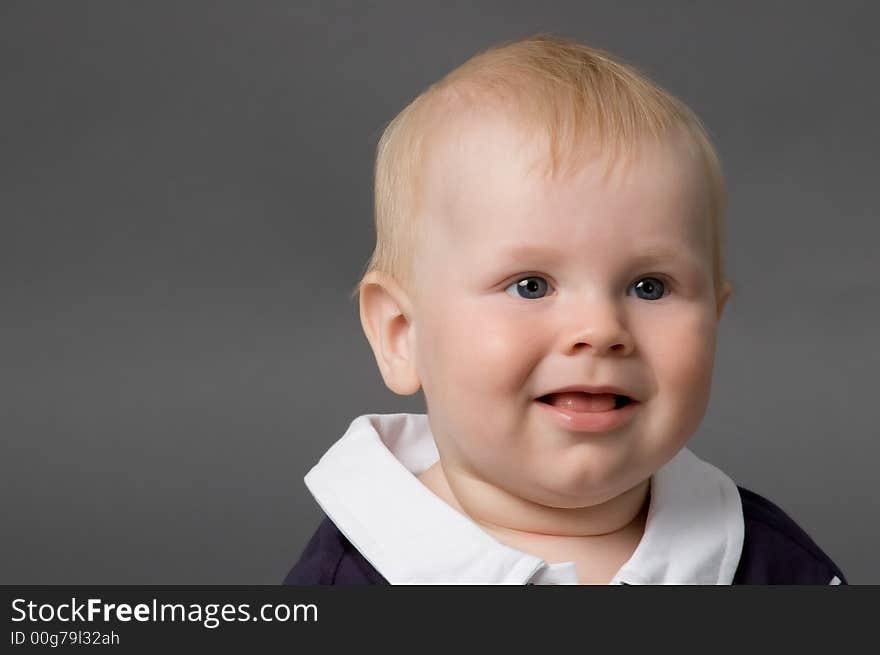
(588, 421)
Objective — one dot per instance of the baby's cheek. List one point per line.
(476, 370)
(504, 354)
(452, 354)
(688, 373)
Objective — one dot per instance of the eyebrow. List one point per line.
(662, 254)
(529, 250)
(657, 254)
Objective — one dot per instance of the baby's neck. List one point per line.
(502, 513)
(599, 542)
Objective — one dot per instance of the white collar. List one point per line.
(366, 484)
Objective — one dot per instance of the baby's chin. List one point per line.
(579, 489)
(549, 511)
(571, 498)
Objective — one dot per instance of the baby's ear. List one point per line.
(385, 317)
(723, 297)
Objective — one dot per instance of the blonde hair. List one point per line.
(552, 85)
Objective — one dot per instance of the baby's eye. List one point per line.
(530, 288)
(649, 288)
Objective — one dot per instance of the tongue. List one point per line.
(582, 402)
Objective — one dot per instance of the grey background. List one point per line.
(185, 203)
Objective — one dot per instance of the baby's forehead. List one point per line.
(473, 141)
(491, 205)
(482, 163)
(468, 158)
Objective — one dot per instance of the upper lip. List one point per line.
(586, 388)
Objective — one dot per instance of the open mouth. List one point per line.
(586, 402)
(582, 412)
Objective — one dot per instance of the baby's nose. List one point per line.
(600, 331)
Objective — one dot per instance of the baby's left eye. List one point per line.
(649, 288)
(530, 288)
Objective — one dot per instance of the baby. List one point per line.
(548, 271)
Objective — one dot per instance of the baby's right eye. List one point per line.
(530, 288)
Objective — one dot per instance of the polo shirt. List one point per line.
(383, 526)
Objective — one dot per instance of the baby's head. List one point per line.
(548, 270)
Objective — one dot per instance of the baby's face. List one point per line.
(524, 286)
